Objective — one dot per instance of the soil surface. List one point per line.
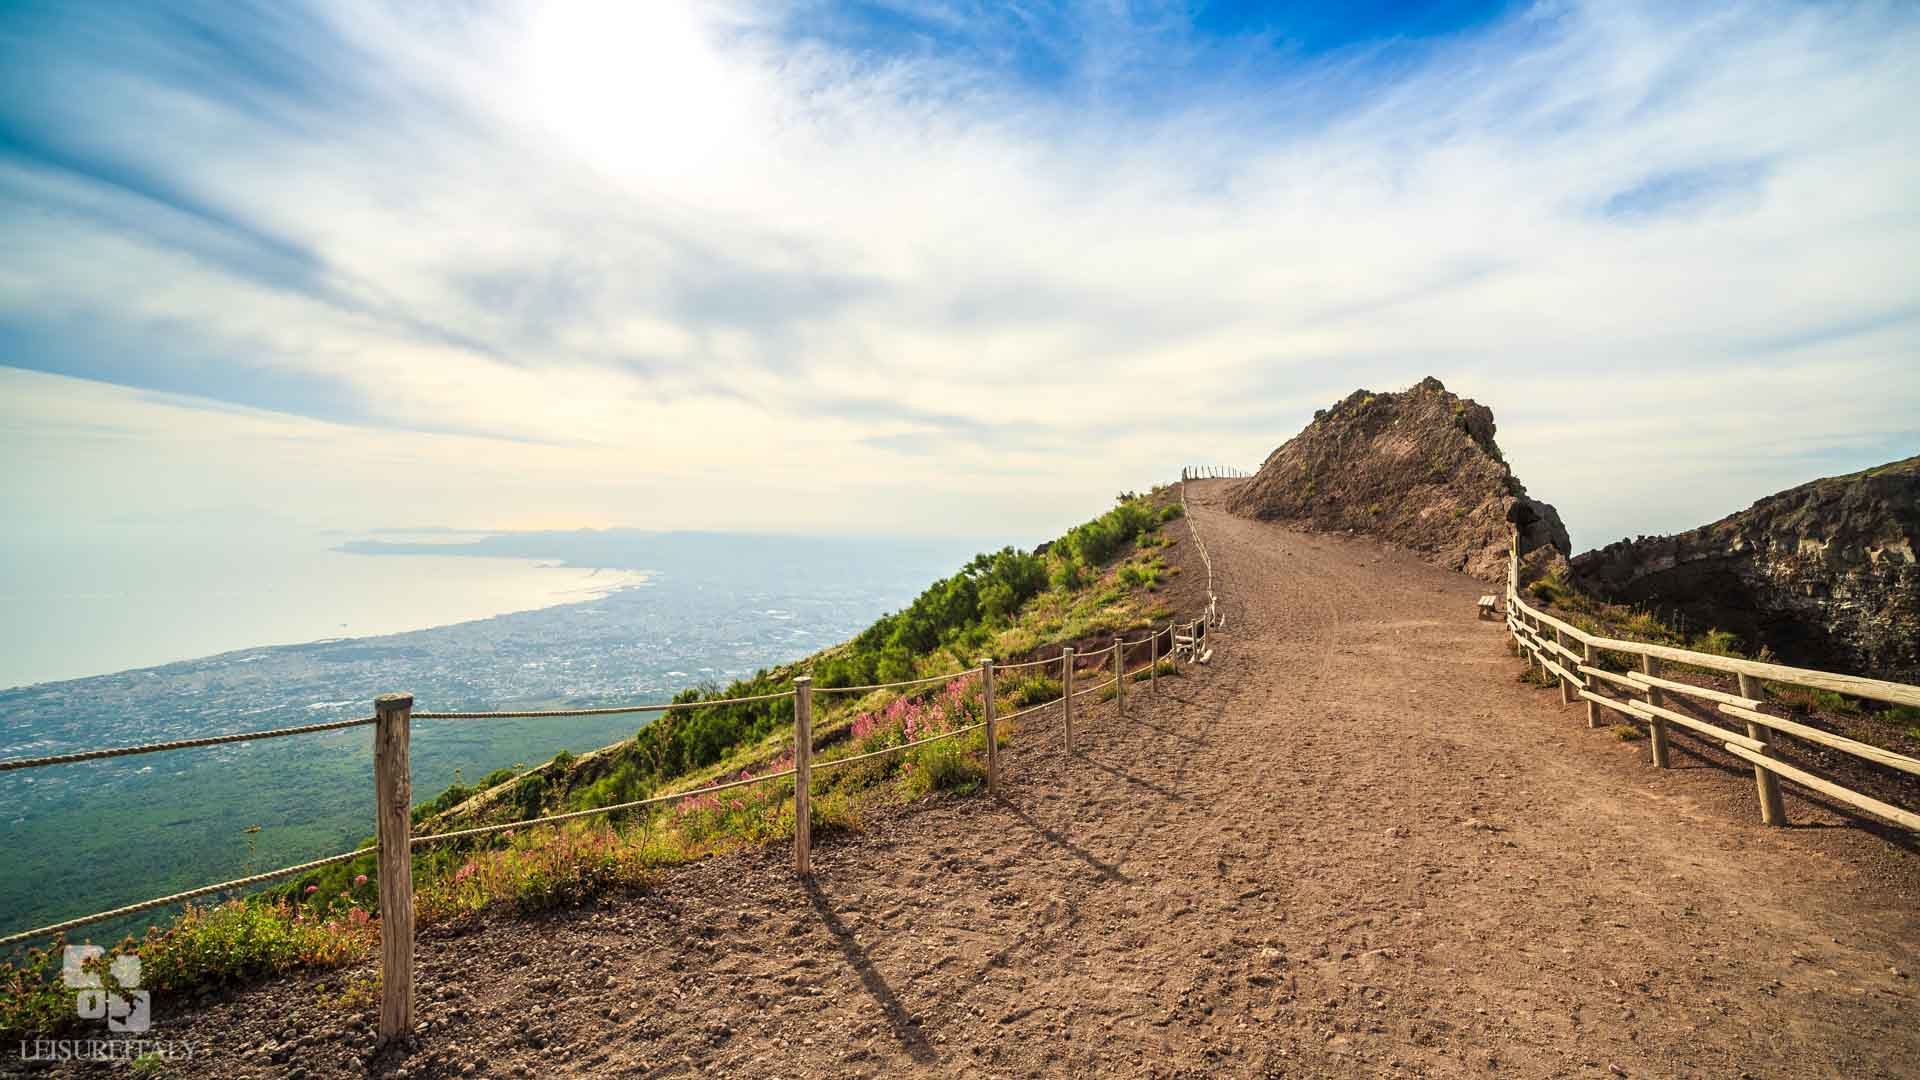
(1353, 844)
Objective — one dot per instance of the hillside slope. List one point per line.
(1823, 574)
(1418, 468)
(1353, 845)
(1078, 592)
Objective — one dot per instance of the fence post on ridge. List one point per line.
(1593, 711)
(802, 776)
(1772, 811)
(1656, 727)
(1066, 693)
(393, 825)
(993, 733)
(1119, 675)
(1566, 686)
(1153, 662)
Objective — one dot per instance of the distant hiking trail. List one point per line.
(1354, 844)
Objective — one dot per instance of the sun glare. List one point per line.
(641, 90)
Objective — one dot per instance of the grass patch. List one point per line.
(1032, 690)
(945, 766)
(1534, 675)
(1627, 732)
(205, 946)
(1166, 668)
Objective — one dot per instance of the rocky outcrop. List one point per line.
(1418, 468)
(1822, 574)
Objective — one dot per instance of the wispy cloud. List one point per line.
(912, 250)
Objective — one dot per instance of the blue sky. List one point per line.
(767, 265)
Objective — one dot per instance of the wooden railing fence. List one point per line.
(1568, 655)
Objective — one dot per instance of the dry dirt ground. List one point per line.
(1354, 844)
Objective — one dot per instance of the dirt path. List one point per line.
(1355, 845)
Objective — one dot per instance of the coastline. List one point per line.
(249, 614)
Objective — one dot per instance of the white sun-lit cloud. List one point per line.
(935, 268)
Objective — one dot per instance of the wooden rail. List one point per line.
(1541, 639)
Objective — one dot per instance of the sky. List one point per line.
(934, 267)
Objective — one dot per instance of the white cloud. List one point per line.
(712, 274)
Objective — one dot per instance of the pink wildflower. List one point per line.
(359, 880)
(311, 889)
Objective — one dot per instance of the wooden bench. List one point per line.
(1488, 604)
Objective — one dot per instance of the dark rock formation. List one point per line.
(1822, 574)
(1418, 468)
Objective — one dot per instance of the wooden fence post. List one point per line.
(1153, 662)
(1656, 727)
(1593, 711)
(993, 732)
(803, 776)
(1772, 810)
(393, 826)
(1066, 693)
(1119, 676)
(1566, 687)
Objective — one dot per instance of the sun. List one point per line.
(642, 90)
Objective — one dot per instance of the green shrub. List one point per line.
(33, 1000)
(1167, 668)
(455, 794)
(246, 939)
(1717, 642)
(550, 868)
(1033, 690)
(1067, 575)
(941, 766)
(834, 813)
(1100, 539)
(529, 795)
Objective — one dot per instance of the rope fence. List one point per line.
(392, 724)
(615, 710)
(1202, 472)
(835, 763)
(928, 681)
(179, 897)
(485, 830)
(179, 744)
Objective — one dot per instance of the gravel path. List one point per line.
(1354, 845)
